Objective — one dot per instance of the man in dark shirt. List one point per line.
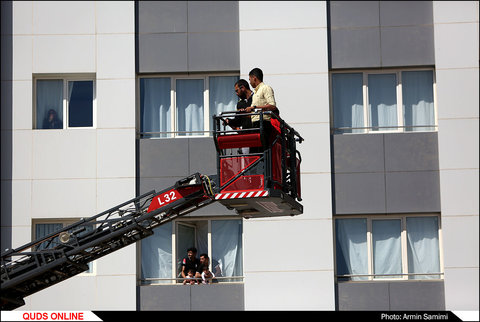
(190, 262)
(245, 95)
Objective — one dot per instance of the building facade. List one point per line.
(384, 93)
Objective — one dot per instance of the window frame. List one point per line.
(174, 279)
(173, 133)
(367, 128)
(65, 222)
(66, 78)
(405, 274)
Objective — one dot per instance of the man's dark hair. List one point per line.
(192, 249)
(204, 255)
(257, 72)
(242, 82)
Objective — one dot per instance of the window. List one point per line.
(378, 248)
(183, 106)
(43, 228)
(221, 239)
(62, 103)
(374, 101)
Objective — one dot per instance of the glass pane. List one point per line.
(417, 95)
(189, 98)
(155, 107)
(157, 254)
(227, 248)
(185, 239)
(351, 248)
(387, 248)
(382, 98)
(347, 98)
(49, 114)
(222, 95)
(422, 247)
(80, 103)
(42, 230)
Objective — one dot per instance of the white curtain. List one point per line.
(222, 95)
(351, 247)
(227, 248)
(347, 97)
(155, 106)
(387, 248)
(190, 109)
(49, 94)
(423, 247)
(382, 101)
(417, 93)
(157, 253)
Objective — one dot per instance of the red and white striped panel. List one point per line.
(241, 194)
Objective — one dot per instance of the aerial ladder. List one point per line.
(261, 182)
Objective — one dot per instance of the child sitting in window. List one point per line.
(190, 278)
(207, 276)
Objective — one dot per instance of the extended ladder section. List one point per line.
(67, 252)
(258, 167)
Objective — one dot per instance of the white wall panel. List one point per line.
(288, 41)
(72, 173)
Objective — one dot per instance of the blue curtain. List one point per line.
(387, 248)
(423, 247)
(227, 248)
(351, 247)
(347, 99)
(157, 253)
(189, 99)
(382, 101)
(222, 95)
(417, 93)
(155, 106)
(49, 96)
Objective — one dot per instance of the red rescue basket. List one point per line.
(258, 168)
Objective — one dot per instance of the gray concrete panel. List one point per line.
(214, 297)
(417, 295)
(163, 158)
(363, 296)
(411, 151)
(218, 297)
(347, 14)
(203, 156)
(157, 184)
(162, 16)
(162, 52)
(355, 48)
(407, 46)
(406, 13)
(163, 298)
(389, 296)
(412, 191)
(187, 36)
(358, 153)
(212, 16)
(213, 51)
(359, 193)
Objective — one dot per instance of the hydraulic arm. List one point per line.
(67, 252)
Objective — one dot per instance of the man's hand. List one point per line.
(248, 109)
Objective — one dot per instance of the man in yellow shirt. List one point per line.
(263, 99)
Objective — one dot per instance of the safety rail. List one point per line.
(179, 280)
(280, 147)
